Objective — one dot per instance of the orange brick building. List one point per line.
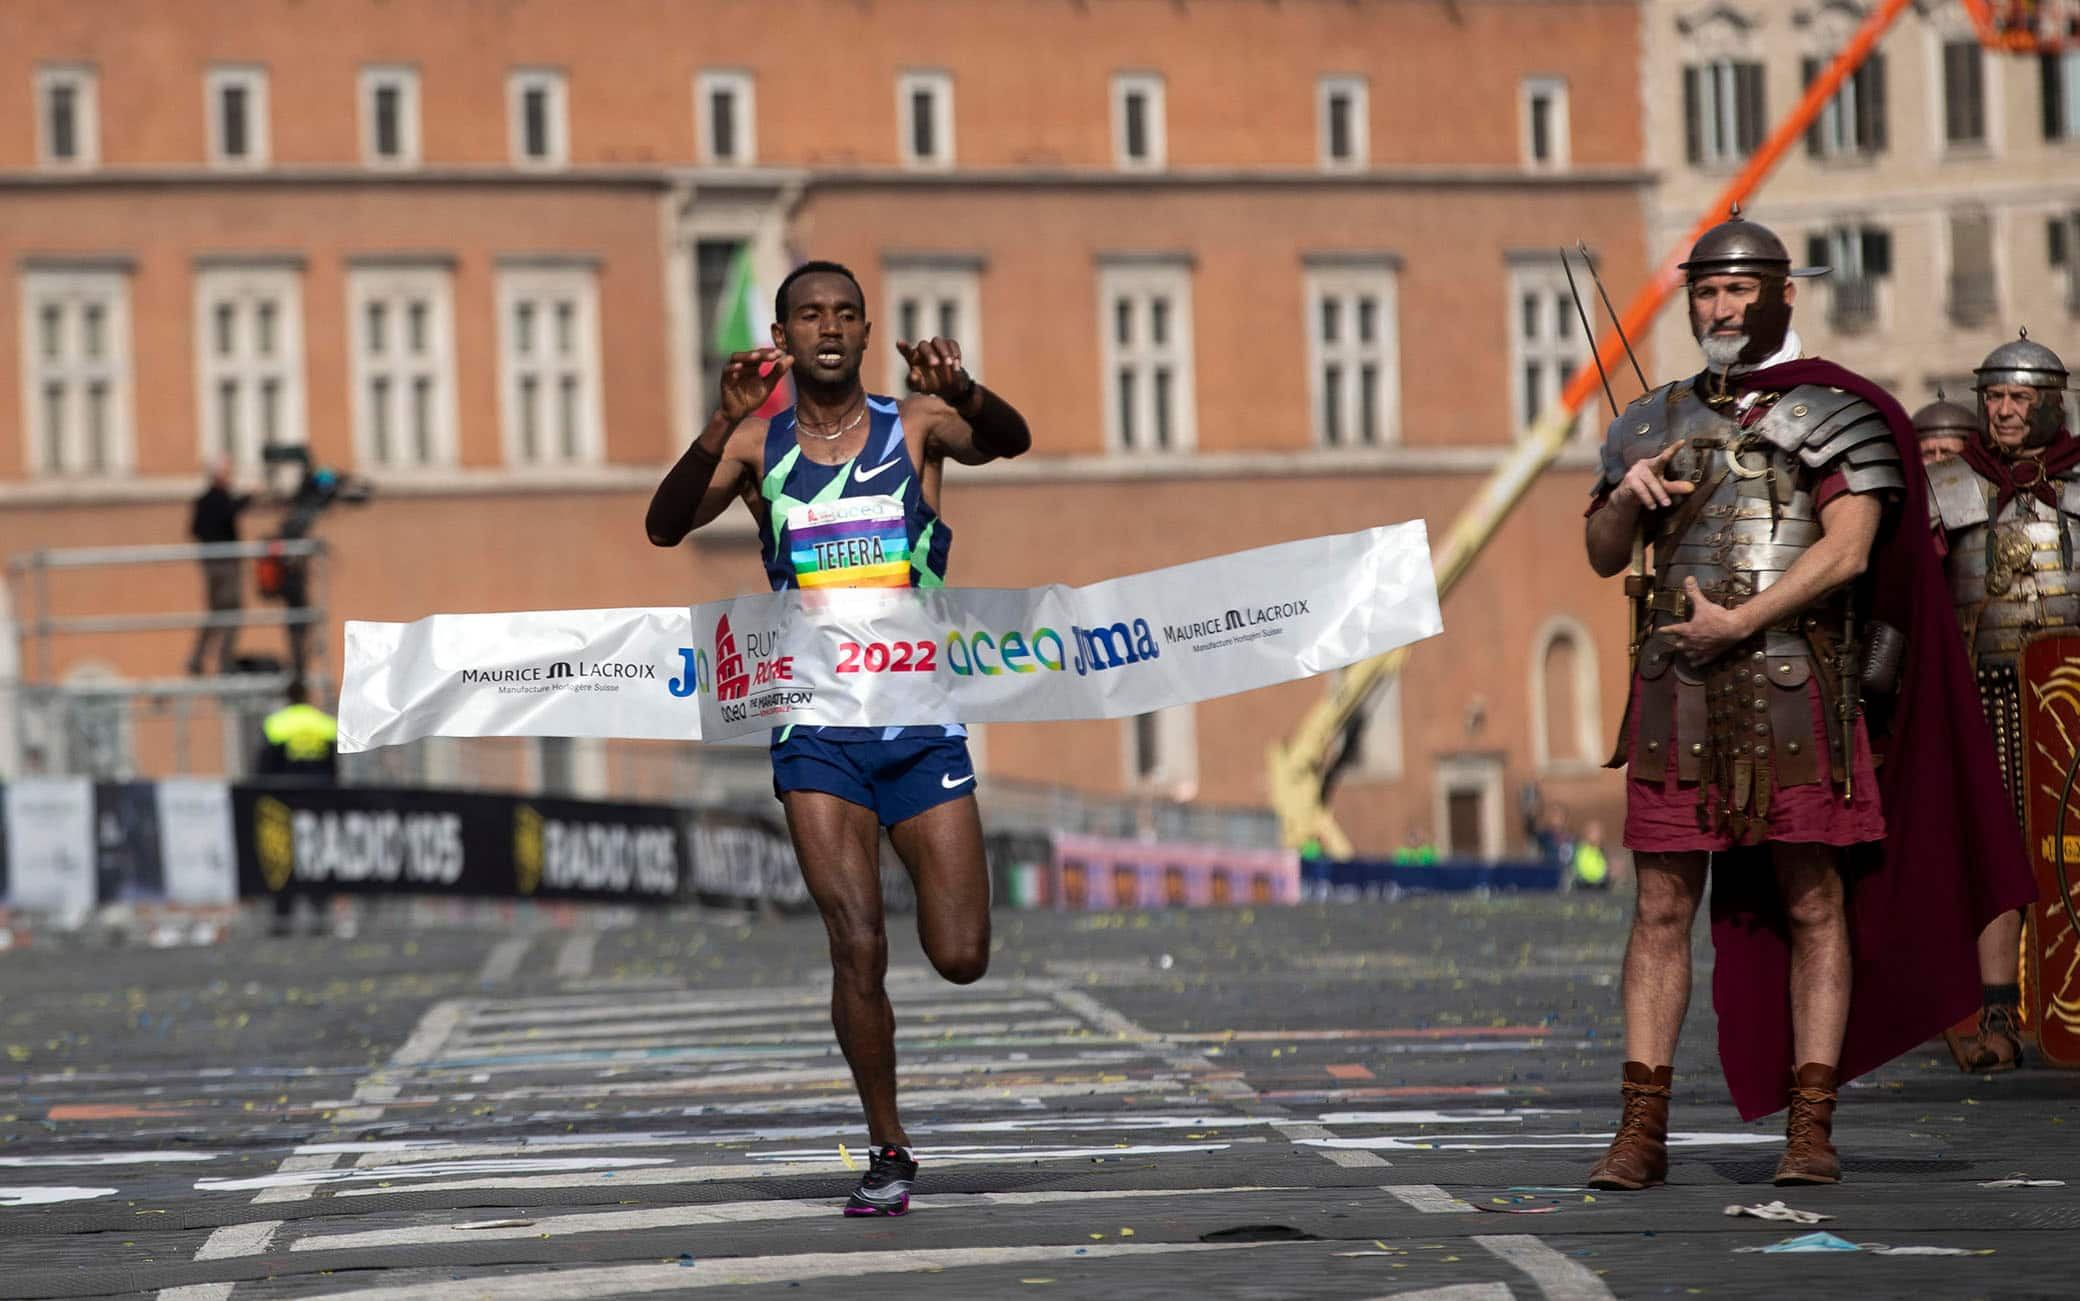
(1255, 271)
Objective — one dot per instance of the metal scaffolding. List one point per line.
(75, 723)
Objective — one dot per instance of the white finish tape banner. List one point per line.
(896, 657)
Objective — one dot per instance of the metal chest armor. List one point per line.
(2011, 577)
(1744, 723)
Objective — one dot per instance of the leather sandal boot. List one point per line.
(1809, 1155)
(1638, 1154)
(1997, 1044)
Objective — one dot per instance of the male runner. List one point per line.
(842, 466)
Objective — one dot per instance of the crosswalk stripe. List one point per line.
(913, 1032)
(671, 1217)
(627, 1280)
(616, 1021)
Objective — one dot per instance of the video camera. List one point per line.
(319, 487)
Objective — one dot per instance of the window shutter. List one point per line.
(2055, 124)
(1870, 107)
(1751, 106)
(1877, 253)
(1809, 71)
(1693, 128)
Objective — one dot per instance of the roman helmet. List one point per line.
(1738, 246)
(1943, 418)
(2022, 360)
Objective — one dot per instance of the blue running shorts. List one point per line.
(897, 779)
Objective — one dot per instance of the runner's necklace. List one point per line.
(840, 432)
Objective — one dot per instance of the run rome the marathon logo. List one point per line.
(751, 680)
(561, 675)
(1236, 624)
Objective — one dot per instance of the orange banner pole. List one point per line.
(1640, 312)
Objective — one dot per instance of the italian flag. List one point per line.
(738, 317)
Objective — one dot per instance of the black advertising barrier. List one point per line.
(379, 840)
(748, 861)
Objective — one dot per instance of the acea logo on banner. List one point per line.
(980, 653)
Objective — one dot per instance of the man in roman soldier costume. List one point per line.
(1944, 428)
(1767, 492)
(2007, 509)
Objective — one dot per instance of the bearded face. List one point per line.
(1739, 319)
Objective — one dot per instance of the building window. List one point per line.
(1973, 297)
(1722, 111)
(540, 129)
(927, 299)
(68, 120)
(549, 369)
(1964, 93)
(1163, 751)
(1353, 347)
(924, 108)
(2062, 251)
(236, 101)
(1862, 260)
(1146, 325)
(249, 361)
(2060, 75)
(1545, 122)
(390, 116)
(1852, 122)
(1565, 710)
(1343, 106)
(1546, 343)
(1138, 141)
(725, 118)
(76, 370)
(403, 365)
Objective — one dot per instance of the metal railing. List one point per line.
(72, 723)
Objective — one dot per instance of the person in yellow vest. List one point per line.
(299, 747)
(1592, 867)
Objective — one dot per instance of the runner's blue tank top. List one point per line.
(863, 523)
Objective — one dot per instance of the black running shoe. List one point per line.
(886, 1189)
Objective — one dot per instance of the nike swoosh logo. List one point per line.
(950, 784)
(861, 476)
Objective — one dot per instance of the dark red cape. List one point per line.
(1953, 857)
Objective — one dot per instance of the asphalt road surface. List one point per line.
(1351, 1101)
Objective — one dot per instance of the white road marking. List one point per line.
(671, 1217)
(239, 1240)
(1532, 1142)
(736, 1271)
(1349, 1160)
(1455, 1292)
(106, 1158)
(616, 1022)
(503, 962)
(1429, 1198)
(312, 1175)
(50, 1194)
(478, 1049)
(1558, 1278)
(574, 958)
